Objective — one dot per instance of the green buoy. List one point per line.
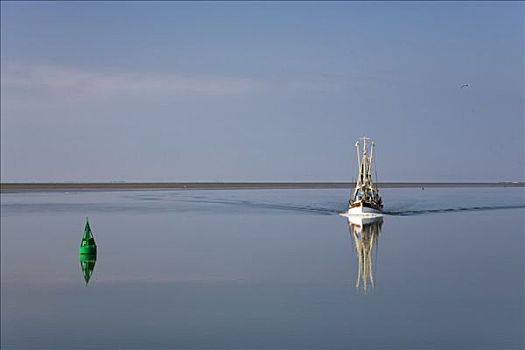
(88, 246)
(88, 253)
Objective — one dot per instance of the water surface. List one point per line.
(259, 269)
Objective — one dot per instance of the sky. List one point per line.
(253, 91)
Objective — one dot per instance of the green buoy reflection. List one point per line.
(88, 253)
(87, 263)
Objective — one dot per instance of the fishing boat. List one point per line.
(365, 198)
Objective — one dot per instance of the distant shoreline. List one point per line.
(115, 186)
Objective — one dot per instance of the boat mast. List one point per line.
(358, 180)
(365, 162)
(370, 170)
(365, 189)
(365, 166)
(365, 157)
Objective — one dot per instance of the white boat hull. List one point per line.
(363, 211)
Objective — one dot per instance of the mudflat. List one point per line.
(109, 186)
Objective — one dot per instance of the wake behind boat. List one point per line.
(365, 199)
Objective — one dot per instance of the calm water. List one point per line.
(264, 269)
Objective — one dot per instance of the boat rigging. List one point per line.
(365, 198)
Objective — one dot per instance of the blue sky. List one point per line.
(249, 91)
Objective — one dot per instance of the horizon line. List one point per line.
(12, 187)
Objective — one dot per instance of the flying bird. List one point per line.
(465, 86)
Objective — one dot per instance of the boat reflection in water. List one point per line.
(87, 263)
(365, 232)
